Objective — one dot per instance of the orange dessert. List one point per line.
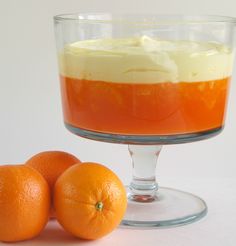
(145, 86)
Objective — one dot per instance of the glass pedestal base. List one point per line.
(150, 206)
(170, 208)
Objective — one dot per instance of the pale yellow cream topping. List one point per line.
(145, 60)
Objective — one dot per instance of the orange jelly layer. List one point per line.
(156, 109)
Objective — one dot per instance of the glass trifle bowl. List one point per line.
(146, 81)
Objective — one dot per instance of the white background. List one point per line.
(30, 107)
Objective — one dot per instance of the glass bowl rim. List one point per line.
(142, 18)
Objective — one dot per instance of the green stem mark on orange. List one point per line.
(99, 206)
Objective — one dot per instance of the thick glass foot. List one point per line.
(151, 206)
(169, 208)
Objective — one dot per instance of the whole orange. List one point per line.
(24, 203)
(51, 164)
(89, 200)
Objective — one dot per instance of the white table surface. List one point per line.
(218, 228)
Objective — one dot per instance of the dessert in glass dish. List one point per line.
(140, 86)
(146, 81)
